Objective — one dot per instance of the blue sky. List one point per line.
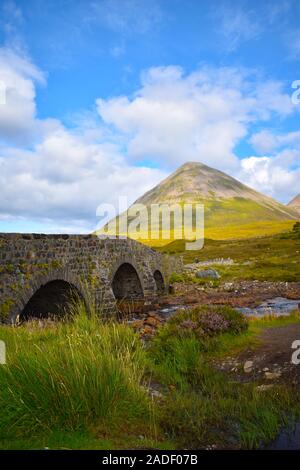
(107, 97)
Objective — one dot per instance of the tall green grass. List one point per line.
(75, 375)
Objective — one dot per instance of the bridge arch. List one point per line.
(49, 296)
(159, 281)
(126, 282)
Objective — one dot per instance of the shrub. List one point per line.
(206, 320)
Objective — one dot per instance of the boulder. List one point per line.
(208, 274)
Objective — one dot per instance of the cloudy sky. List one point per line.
(104, 98)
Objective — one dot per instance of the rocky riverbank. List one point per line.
(236, 294)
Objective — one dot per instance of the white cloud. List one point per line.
(263, 141)
(64, 179)
(18, 114)
(202, 116)
(266, 141)
(271, 98)
(277, 171)
(272, 175)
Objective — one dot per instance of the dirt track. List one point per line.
(272, 359)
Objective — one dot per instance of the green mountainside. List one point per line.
(232, 209)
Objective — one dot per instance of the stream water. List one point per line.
(287, 440)
(167, 312)
(278, 307)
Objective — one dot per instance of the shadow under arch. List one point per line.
(54, 299)
(126, 283)
(159, 281)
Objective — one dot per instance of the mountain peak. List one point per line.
(223, 196)
(190, 165)
(193, 166)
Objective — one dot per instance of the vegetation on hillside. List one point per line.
(272, 258)
(225, 229)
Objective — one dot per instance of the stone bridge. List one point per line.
(39, 274)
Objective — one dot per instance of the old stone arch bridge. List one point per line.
(39, 273)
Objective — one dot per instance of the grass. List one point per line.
(84, 385)
(271, 321)
(272, 258)
(123, 438)
(248, 230)
(192, 279)
(72, 376)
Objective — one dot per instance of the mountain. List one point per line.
(226, 199)
(232, 210)
(295, 204)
